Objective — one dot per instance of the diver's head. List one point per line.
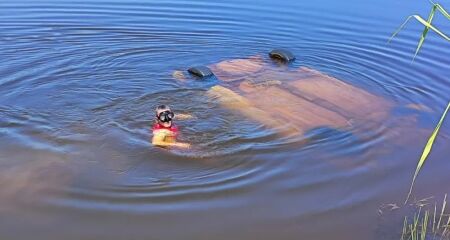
(164, 115)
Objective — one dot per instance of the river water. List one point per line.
(79, 82)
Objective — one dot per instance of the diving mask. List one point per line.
(165, 116)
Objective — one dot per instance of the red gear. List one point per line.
(173, 128)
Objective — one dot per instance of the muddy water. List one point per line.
(79, 82)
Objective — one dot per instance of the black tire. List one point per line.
(201, 71)
(282, 54)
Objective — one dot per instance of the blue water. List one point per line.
(79, 82)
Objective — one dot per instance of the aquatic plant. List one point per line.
(422, 227)
(427, 24)
(427, 150)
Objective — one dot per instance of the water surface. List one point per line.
(80, 81)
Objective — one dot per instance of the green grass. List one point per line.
(420, 226)
(427, 223)
(427, 150)
(427, 24)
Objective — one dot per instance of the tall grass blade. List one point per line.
(404, 228)
(400, 28)
(442, 10)
(421, 20)
(427, 151)
(416, 223)
(411, 231)
(446, 227)
(442, 211)
(427, 25)
(434, 217)
(425, 31)
(423, 231)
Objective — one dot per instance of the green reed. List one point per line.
(419, 226)
(427, 150)
(427, 24)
